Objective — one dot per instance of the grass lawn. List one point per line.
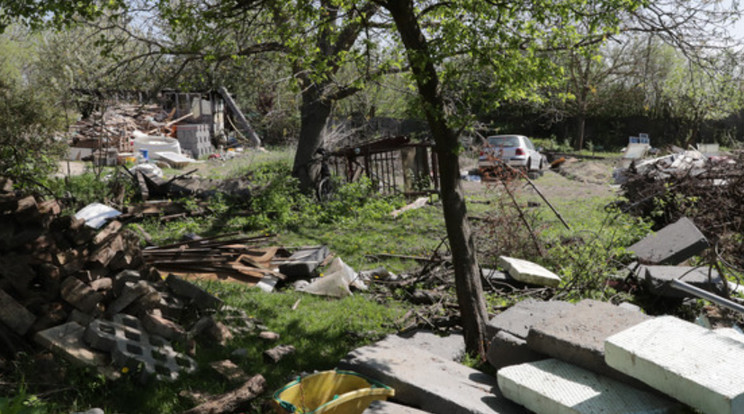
(356, 226)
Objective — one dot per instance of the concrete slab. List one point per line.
(528, 272)
(506, 349)
(671, 245)
(577, 336)
(557, 387)
(658, 279)
(450, 347)
(699, 367)
(387, 407)
(15, 316)
(422, 379)
(518, 319)
(67, 340)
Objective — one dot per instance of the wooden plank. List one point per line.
(239, 114)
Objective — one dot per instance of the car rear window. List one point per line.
(508, 141)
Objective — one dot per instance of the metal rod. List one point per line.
(537, 190)
(696, 291)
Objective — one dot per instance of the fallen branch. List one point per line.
(234, 400)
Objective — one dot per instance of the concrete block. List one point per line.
(518, 319)
(67, 340)
(557, 387)
(129, 294)
(699, 367)
(81, 318)
(730, 333)
(496, 278)
(80, 295)
(124, 277)
(506, 349)
(658, 279)
(389, 407)
(131, 347)
(422, 379)
(528, 272)
(304, 261)
(13, 315)
(578, 335)
(171, 306)
(671, 245)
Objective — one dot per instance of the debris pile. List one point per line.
(90, 296)
(115, 126)
(151, 186)
(708, 190)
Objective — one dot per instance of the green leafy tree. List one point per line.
(508, 38)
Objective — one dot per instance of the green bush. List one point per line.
(28, 151)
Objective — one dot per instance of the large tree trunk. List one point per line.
(314, 113)
(467, 274)
(582, 128)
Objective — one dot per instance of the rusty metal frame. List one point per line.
(380, 160)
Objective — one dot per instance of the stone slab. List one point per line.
(557, 387)
(67, 340)
(388, 407)
(658, 279)
(699, 367)
(450, 347)
(528, 272)
(13, 315)
(578, 335)
(671, 245)
(506, 349)
(422, 379)
(519, 318)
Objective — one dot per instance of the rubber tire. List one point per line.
(325, 189)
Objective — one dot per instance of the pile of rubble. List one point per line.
(585, 357)
(90, 296)
(114, 126)
(707, 189)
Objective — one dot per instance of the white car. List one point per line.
(514, 150)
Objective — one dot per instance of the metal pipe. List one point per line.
(696, 291)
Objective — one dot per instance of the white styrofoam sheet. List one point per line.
(557, 387)
(700, 367)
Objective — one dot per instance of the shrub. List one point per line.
(28, 152)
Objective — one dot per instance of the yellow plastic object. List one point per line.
(330, 392)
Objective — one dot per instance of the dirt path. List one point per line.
(577, 180)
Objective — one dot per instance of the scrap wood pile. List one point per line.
(708, 190)
(89, 295)
(242, 258)
(114, 125)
